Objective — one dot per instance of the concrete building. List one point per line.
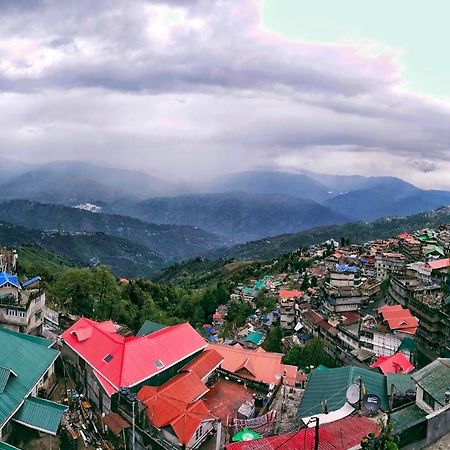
(22, 304)
(389, 263)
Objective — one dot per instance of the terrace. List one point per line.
(225, 398)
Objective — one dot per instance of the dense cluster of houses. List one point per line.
(381, 310)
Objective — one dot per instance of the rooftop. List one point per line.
(225, 398)
(127, 361)
(23, 363)
(435, 378)
(258, 365)
(340, 435)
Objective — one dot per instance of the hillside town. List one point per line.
(347, 346)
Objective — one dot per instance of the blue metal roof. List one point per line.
(6, 277)
(346, 268)
(31, 281)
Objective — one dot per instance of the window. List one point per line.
(158, 364)
(428, 399)
(108, 358)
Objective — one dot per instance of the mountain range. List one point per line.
(238, 216)
(150, 223)
(120, 190)
(356, 232)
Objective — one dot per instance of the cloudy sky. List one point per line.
(189, 89)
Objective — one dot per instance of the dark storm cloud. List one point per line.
(201, 82)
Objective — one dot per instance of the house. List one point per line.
(397, 363)
(326, 390)
(22, 304)
(433, 385)
(105, 362)
(399, 319)
(26, 371)
(176, 412)
(287, 299)
(256, 365)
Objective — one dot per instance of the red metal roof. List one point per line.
(205, 363)
(439, 264)
(290, 293)
(176, 403)
(340, 435)
(399, 318)
(255, 365)
(123, 362)
(397, 363)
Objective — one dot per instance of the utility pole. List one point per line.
(316, 432)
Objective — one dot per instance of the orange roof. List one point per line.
(186, 424)
(290, 293)
(205, 363)
(255, 365)
(176, 403)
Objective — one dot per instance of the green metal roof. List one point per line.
(406, 416)
(29, 361)
(40, 414)
(435, 378)
(5, 446)
(149, 327)
(254, 337)
(4, 377)
(408, 344)
(402, 382)
(434, 249)
(331, 386)
(28, 337)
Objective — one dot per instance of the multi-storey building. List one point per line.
(389, 263)
(410, 247)
(433, 312)
(288, 307)
(344, 299)
(22, 304)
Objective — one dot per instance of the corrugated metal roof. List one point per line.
(331, 386)
(6, 277)
(30, 281)
(5, 446)
(149, 327)
(435, 378)
(29, 361)
(134, 359)
(28, 337)
(4, 376)
(340, 435)
(254, 337)
(204, 363)
(401, 381)
(255, 365)
(406, 416)
(40, 414)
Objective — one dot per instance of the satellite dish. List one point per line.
(371, 402)
(353, 394)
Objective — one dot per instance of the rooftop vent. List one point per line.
(108, 358)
